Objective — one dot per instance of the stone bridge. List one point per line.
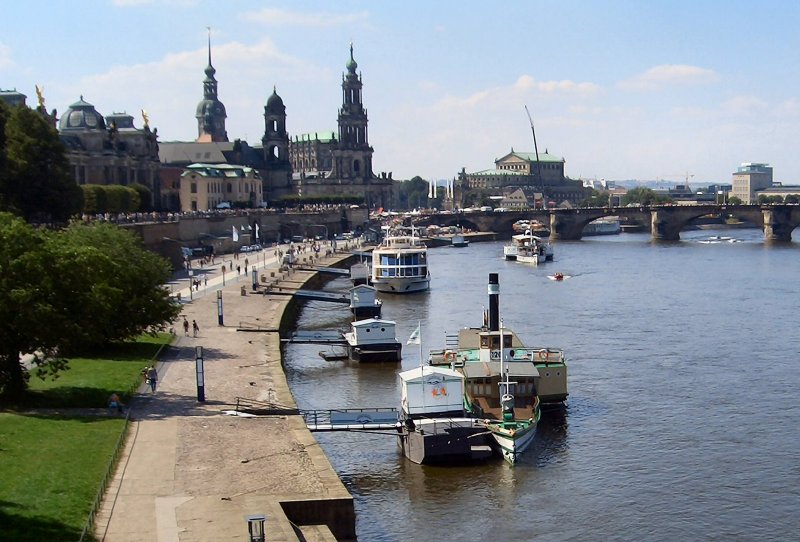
(665, 222)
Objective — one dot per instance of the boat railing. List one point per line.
(537, 354)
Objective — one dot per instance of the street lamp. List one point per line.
(255, 527)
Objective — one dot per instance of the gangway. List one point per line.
(316, 336)
(351, 419)
(314, 295)
(320, 269)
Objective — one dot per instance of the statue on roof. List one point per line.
(145, 119)
(40, 96)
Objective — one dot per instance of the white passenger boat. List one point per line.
(528, 248)
(400, 263)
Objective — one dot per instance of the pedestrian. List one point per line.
(152, 377)
(195, 328)
(115, 402)
(205, 279)
(185, 326)
(238, 269)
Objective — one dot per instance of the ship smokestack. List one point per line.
(494, 302)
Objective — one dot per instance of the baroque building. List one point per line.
(540, 180)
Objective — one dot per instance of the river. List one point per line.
(683, 415)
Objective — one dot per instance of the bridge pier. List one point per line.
(663, 226)
(778, 224)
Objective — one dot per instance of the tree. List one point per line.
(36, 184)
(413, 193)
(733, 200)
(792, 198)
(596, 199)
(82, 287)
(644, 196)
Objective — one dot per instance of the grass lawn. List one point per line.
(51, 466)
(89, 381)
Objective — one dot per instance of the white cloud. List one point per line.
(282, 17)
(526, 82)
(170, 88)
(664, 75)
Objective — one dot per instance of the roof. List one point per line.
(322, 137)
(531, 156)
(498, 172)
(428, 370)
(515, 368)
(218, 152)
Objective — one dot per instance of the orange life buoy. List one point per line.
(449, 356)
(542, 354)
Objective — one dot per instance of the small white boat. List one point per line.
(372, 339)
(528, 248)
(458, 240)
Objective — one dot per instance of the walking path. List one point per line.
(190, 473)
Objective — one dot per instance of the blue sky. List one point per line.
(620, 89)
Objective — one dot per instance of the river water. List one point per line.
(683, 420)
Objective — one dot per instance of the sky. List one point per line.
(660, 90)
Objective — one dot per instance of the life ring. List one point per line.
(543, 354)
(449, 356)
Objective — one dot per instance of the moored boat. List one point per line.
(458, 240)
(400, 264)
(603, 226)
(371, 340)
(434, 427)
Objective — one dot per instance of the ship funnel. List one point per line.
(494, 302)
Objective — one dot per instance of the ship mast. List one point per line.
(538, 165)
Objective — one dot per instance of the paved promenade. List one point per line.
(190, 473)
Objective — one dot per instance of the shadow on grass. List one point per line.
(67, 397)
(18, 527)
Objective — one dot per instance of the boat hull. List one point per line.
(511, 444)
(445, 441)
(373, 353)
(401, 285)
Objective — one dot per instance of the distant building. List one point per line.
(109, 150)
(206, 186)
(749, 178)
(521, 170)
(12, 97)
(784, 191)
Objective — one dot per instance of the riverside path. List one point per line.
(190, 473)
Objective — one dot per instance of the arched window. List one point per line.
(357, 166)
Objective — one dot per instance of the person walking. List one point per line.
(185, 326)
(152, 377)
(195, 328)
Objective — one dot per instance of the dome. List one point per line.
(81, 116)
(213, 107)
(275, 103)
(352, 65)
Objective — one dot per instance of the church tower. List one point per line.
(210, 111)
(276, 144)
(352, 160)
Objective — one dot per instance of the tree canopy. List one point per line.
(34, 172)
(644, 196)
(63, 292)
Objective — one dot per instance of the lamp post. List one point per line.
(255, 527)
(255, 278)
(198, 366)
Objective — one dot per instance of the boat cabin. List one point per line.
(373, 331)
(432, 391)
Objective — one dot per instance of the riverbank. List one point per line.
(189, 472)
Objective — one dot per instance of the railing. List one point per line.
(252, 406)
(350, 418)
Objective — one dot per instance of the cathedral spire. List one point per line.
(210, 112)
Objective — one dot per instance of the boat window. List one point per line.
(507, 341)
(484, 341)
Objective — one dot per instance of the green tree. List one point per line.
(792, 198)
(413, 193)
(733, 200)
(63, 292)
(145, 196)
(596, 199)
(36, 184)
(644, 196)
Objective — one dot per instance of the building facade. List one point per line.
(522, 170)
(749, 178)
(204, 187)
(110, 150)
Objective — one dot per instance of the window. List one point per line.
(230, 188)
(193, 189)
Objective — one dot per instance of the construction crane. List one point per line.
(538, 165)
